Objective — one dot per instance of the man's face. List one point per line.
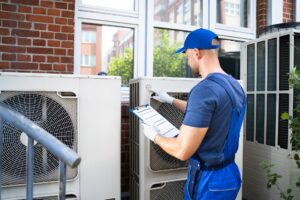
(193, 59)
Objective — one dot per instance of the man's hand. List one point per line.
(163, 97)
(150, 131)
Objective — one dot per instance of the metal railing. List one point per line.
(34, 132)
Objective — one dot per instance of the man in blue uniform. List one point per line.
(209, 134)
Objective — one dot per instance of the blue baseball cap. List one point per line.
(199, 39)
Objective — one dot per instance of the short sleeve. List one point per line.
(200, 108)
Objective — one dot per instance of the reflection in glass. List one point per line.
(260, 72)
(110, 52)
(229, 56)
(260, 118)
(250, 118)
(166, 63)
(127, 5)
(188, 12)
(250, 67)
(271, 119)
(272, 64)
(233, 12)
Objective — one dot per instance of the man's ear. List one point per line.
(198, 53)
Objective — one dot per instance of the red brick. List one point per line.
(59, 67)
(12, 49)
(70, 52)
(39, 11)
(51, 59)
(38, 58)
(24, 65)
(39, 42)
(65, 44)
(8, 23)
(54, 28)
(35, 18)
(71, 22)
(10, 57)
(71, 6)
(61, 21)
(69, 14)
(61, 5)
(39, 50)
(53, 43)
(25, 25)
(24, 9)
(24, 57)
(48, 4)
(9, 7)
(45, 66)
(25, 33)
(70, 68)
(9, 40)
(4, 65)
(71, 37)
(4, 31)
(28, 2)
(24, 41)
(11, 15)
(47, 35)
(40, 26)
(60, 52)
(67, 29)
(61, 36)
(66, 59)
(54, 12)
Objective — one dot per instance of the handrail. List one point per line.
(35, 132)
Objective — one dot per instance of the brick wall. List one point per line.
(37, 36)
(288, 11)
(261, 13)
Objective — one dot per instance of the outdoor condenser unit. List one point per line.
(79, 112)
(155, 175)
(268, 61)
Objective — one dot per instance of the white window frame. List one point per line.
(274, 12)
(297, 11)
(112, 17)
(240, 33)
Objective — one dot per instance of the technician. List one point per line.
(209, 134)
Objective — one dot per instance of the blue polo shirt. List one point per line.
(210, 106)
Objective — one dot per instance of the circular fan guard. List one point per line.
(49, 115)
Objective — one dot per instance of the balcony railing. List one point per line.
(34, 132)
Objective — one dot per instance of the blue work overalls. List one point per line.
(223, 180)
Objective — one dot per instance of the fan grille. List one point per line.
(54, 114)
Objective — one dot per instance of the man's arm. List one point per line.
(179, 104)
(185, 145)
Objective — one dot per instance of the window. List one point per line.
(88, 36)
(127, 5)
(233, 12)
(186, 11)
(88, 60)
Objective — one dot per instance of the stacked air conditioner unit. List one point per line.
(81, 111)
(269, 60)
(155, 175)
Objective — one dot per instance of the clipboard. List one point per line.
(148, 115)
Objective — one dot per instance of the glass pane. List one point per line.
(110, 54)
(284, 62)
(283, 124)
(166, 63)
(261, 66)
(271, 119)
(272, 63)
(233, 12)
(250, 117)
(188, 12)
(127, 5)
(260, 118)
(297, 50)
(229, 56)
(250, 67)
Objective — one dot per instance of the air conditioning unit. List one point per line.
(81, 111)
(268, 60)
(154, 174)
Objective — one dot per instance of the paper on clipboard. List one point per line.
(150, 116)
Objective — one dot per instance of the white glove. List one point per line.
(150, 131)
(163, 97)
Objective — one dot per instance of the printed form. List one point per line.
(151, 117)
